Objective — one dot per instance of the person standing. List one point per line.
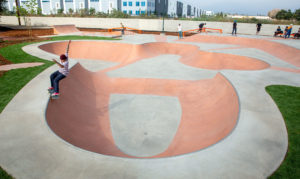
(180, 31)
(289, 31)
(123, 28)
(258, 27)
(234, 28)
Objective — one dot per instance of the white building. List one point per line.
(209, 13)
(137, 7)
(172, 8)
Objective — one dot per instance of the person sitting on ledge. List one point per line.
(285, 30)
(278, 31)
(297, 35)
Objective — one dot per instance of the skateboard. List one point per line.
(51, 91)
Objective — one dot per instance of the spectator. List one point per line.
(278, 31)
(285, 30)
(180, 31)
(289, 31)
(258, 27)
(234, 27)
(297, 35)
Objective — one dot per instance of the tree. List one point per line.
(289, 15)
(283, 14)
(71, 11)
(92, 11)
(297, 15)
(272, 14)
(30, 8)
(2, 6)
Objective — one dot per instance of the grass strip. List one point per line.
(287, 99)
(12, 81)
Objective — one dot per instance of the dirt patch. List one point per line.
(25, 32)
(92, 29)
(4, 61)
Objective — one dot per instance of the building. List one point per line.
(209, 13)
(171, 8)
(138, 7)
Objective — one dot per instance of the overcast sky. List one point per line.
(247, 7)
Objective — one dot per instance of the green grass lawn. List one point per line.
(287, 99)
(4, 175)
(14, 80)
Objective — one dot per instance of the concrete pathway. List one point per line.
(18, 65)
(253, 149)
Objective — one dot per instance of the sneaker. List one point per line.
(51, 90)
(55, 94)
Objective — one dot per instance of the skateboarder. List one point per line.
(123, 28)
(258, 27)
(201, 27)
(60, 74)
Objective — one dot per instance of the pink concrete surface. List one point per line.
(18, 65)
(65, 29)
(70, 29)
(286, 53)
(209, 107)
(81, 116)
(128, 53)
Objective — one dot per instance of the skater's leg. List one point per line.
(52, 77)
(56, 82)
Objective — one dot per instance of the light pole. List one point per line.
(163, 15)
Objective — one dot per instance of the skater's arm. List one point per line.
(60, 65)
(67, 50)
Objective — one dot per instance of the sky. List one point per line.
(246, 7)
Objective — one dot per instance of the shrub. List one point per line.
(92, 11)
(101, 14)
(60, 11)
(70, 11)
(118, 14)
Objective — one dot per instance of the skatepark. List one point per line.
(153, 106)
